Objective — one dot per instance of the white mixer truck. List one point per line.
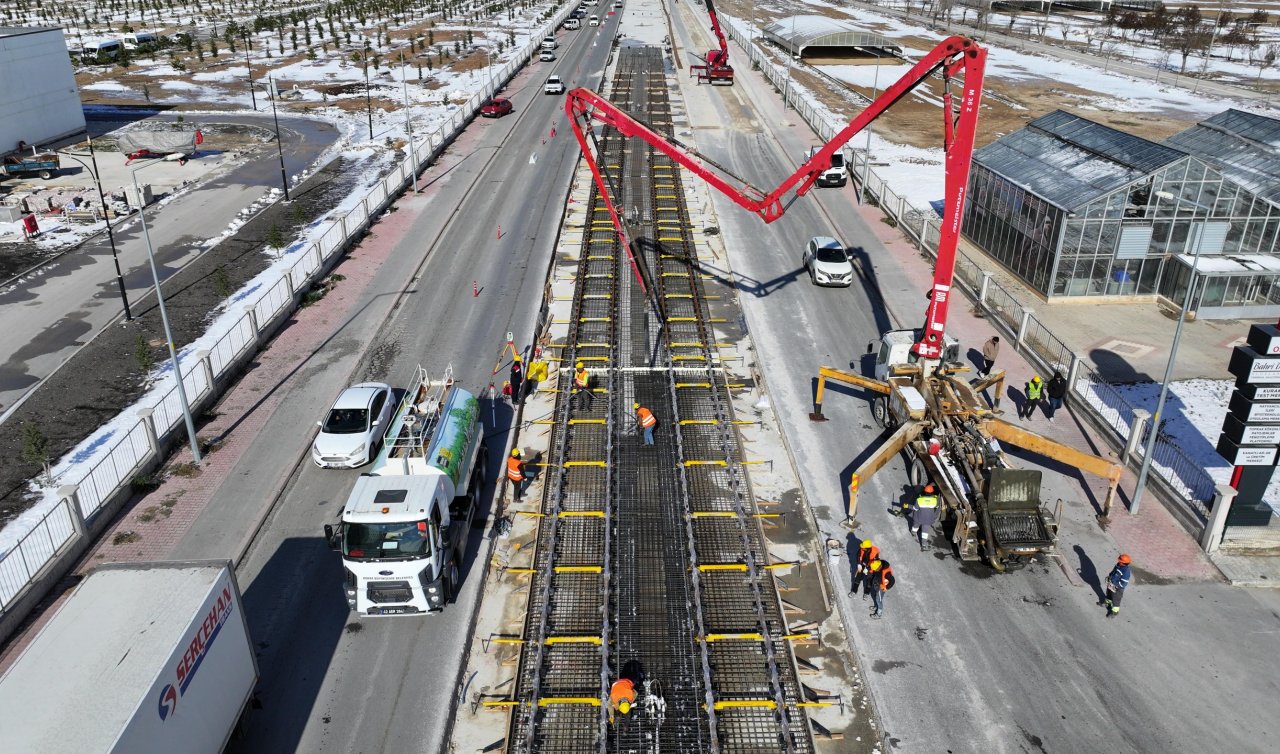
(404, 528)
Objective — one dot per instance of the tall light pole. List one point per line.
(368, 103)
(284, 178)
(111, 236)
(164, 319)
(249, 66)
(1141, 485)
(786, 90)
(408, 120)
(875, 92)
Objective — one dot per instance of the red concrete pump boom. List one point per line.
(717, 68)
(955, 55)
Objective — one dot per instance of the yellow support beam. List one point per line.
(578, 569)
(714, 514)
(697, 421)
(786, 564)
(723, 567)
(497, 704)
(678, 295)
(585, 421)
(521, 571)
(728, 637)
(589, 700)
(530, 514)
(689, 345)
(581, 514)
(506, 640)
(689, 357)
(740, 703)
(692, 384)
(570, 464)
(573, 640)
(815, 704)
(706, 463)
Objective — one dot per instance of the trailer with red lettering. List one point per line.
(141, 658)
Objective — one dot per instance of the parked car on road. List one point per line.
(546, 56)
(352, 431)
(496, 108)
(827, 262)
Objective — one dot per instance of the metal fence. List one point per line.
(204, 371)
(1186, 478)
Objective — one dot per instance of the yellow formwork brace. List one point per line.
(581, 514)
(697, 421)
(723, 567)
(499, 703)
(714, 514)
(728, 637)
(675, 274)
(706, 463)
(569, 464)
(678, 295)
(584, 421)
(589, 700)
(740, 703)
(573, 640)
(786, 564)
(578, 569)
(521, 571)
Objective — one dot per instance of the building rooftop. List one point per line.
(795, 33)
(1070, 161)
(17, 31)
(1242, 146)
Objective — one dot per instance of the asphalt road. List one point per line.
(331, 682)
(53, 311)
(966, 660)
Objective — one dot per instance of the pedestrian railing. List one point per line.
(1190, 483)
(84, 491)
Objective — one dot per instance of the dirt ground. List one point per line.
(1007, 106)
(105, 377)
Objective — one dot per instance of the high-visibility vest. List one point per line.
(868, 554)
(646, 417)
(514, 472)
(884, 577)
(1034, 389)
(581, 378)
(623, 690)
(927, 501)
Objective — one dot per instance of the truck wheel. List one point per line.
(452, 579)
(45, 174)
(880, 410)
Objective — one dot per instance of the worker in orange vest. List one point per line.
(867, 552)
(646, 422)
(515, 473)
(882, 580)
(622, 697)
(582, 386)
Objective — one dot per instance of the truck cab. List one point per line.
(834, 176)
(404, 529)
(895, 353)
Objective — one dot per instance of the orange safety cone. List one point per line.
(475, 290)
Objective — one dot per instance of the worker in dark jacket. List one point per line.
(881, 581)
(923, 513)
(1118, 581)
(990, 350)
(517, 379)
(867, 552)
(1057, 390)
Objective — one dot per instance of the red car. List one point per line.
(496, 108)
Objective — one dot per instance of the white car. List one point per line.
(550, 43)
(352, 431)
(827, 262)
(546, 56)
(593, 21)
(553, 86)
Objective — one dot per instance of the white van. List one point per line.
(572, 24)
(137, 39)
(94, 48)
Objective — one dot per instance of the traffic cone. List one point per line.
(475, 289)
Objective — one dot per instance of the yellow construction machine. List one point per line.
(951, 436)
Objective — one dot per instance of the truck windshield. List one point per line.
(392, 541)
(837, 160)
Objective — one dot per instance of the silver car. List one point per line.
(827, 262)
(352, 431)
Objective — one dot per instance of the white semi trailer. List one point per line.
(142, 658)
(404, 528)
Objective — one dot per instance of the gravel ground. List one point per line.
(105, 376)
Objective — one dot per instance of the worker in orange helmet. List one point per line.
(1118, 581)
(923, 513)
(867, 552)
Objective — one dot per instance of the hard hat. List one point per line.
(929, 488)
(517, 358)
(1125, 559)
(875, 565)
(866, 543)
(1035, 378)
(635, 405)
(515, 452)
(578, 365)
(624, 706)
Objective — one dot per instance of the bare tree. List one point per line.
(1265, 59)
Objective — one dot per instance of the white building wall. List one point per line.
(39, 102)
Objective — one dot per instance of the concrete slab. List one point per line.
(1245, 570)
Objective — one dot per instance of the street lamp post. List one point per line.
(111, 236)
(249, 66)
(408, 120)
(786, 90)
(875, 92)
(284, 178)
(164, 319)
(1145, 469)
(368, 103)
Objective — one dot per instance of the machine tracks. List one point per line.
(650, 554)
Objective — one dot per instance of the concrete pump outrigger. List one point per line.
(938, 417)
